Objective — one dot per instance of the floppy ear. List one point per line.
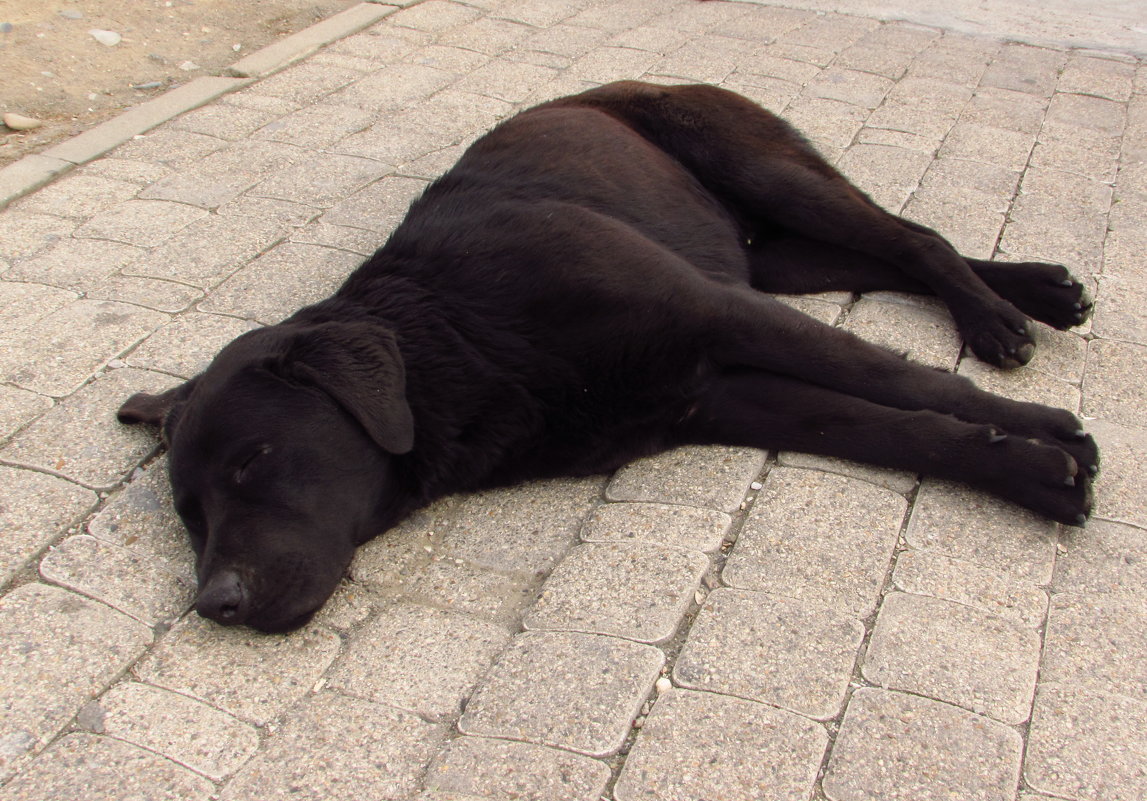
(360, 366)
(154, 409)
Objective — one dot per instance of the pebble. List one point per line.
(5, 27)
(109, 38)
(663, 684)
(71, 13)
(18, 122)
(188, 66)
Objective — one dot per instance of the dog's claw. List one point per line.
(1069, 481)
(1093, 469)
(1081, 520)
(1080, 433)
(995, 436)
(1067, 282)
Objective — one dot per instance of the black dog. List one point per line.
(585, 287)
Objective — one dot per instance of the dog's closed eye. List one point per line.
(244, 470)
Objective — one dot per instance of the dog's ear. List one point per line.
(155, 410)
(360, 366)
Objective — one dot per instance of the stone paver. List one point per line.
(491, 768)
(701, 745)
(423, 660)
(818, 537)
(331, 746)
(598, 682)
(701, 624)
(60, 649)
(940, 649)
(767, 648)
(184, 730)
(895, 746)
(632, 590)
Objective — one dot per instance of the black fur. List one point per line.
(579, 290)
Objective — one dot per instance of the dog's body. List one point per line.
(580, 290)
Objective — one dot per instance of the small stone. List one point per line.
(18, 122)
(187, 66)
(663, 684)
(71, 13)
(5, 27)
(107, 38)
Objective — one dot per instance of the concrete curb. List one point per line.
(34, 171)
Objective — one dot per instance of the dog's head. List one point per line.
(282, 461)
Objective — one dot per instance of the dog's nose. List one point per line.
(223, 599)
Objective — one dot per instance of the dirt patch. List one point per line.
(56, 71)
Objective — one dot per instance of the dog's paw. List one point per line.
(1045, 478)
(1000, 335)
(1044, 292)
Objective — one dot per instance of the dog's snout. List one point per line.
(224, 599)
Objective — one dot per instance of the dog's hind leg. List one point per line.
(771, 177)
(799, 265)
(760, 409)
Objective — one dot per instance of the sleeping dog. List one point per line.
(587, 286)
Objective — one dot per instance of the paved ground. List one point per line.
(711, 624)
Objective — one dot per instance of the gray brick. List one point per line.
(875, 59)
(80, 437)
(61, 650)
(659, 524)
(608, 63)
(1022, 68)
(709, 59)
(830, 31)
(598, 682)
(699, 745)
(521, 530)
(616, 16)
(298, 85)
(955, 58)
(23, 306)
(1087, 744)
(392, 88)
(23, 235)
(1104, 557)
(1005, 109)
(322, 181)
(36, 510)
(316, 126)
(708, 477)
(277, 283)
(422, 660)
(654, 40)
(923, 106)
(84, 765)
(506, 80)
(142, 519)
(379, 48)
(341, 237)
(954, 653)
(184, 730)
(492, 768)
(78, 196)
(773, 94)
(1100, 77)
(633, 590)
(1060, 354)
(454, 585)
(977, 142)
(380, 207)
(434, 16)
(894, 746)
(788, 653)
(130, 170)
(164, 296)
(697, 19)
(896, 480)
(540, 14)
(1120, 492)
(486, 35)
(248, 674)
(1058, 217)
(222, 176)
(458, 60)
(19, 407)
(1030, 385)
(270, 211)
(209, 250)
(1123, 291)
(957, 521)
(165, 147)
(140, 222)
(185, 346)
(1098, 641)
(64, 349)
(888, 174)
(390, 560)
(850, 86)
(763, 24)
(131, 582)
(969, 220)
(818, 537)
(1115, 384)
(337, 747)
(79, 264)
(223, 121)
(978, 587)
(828, 122)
